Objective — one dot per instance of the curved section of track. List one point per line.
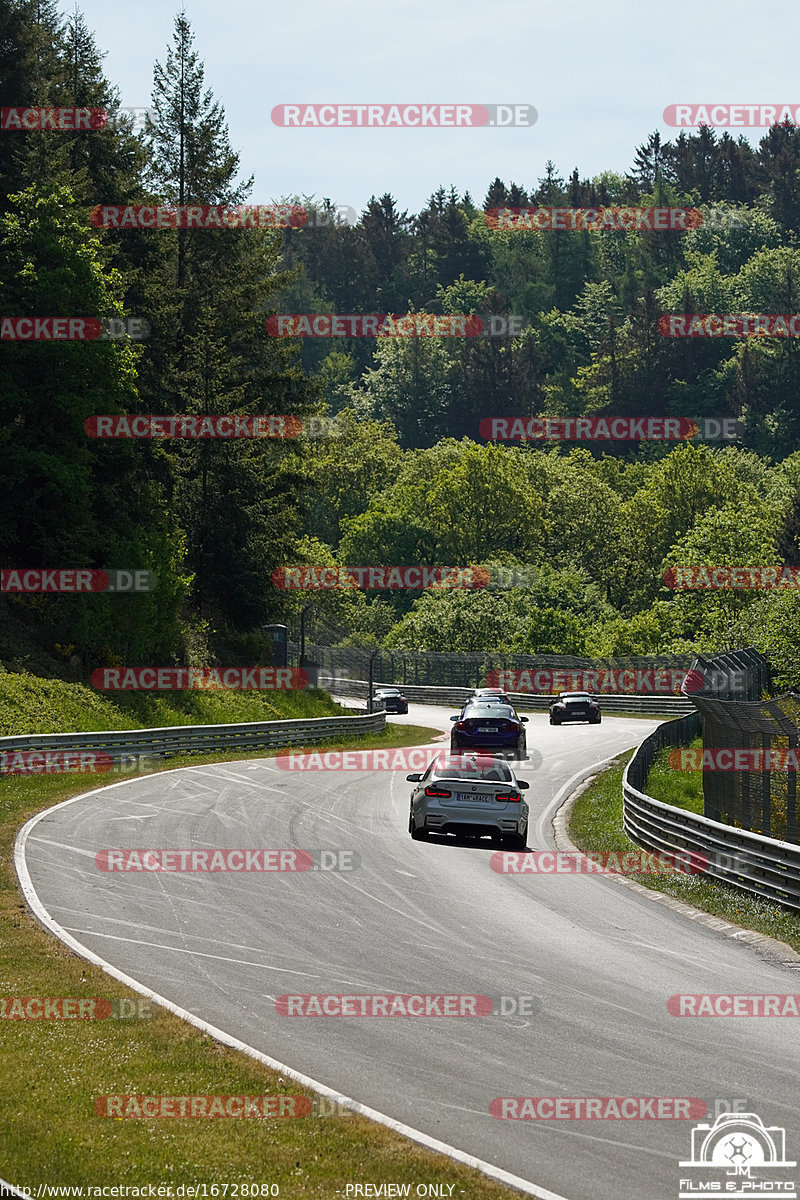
(599, 961)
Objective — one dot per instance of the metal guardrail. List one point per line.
(759, 865)
(121, 744)
(455, 697)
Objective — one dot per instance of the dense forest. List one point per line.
(404, 476)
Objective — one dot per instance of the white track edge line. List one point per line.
(415, 1135)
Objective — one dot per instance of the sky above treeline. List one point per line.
(598, 75)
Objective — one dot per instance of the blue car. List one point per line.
(487, 725)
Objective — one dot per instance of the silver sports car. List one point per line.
(469, 794)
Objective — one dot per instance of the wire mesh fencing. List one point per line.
(750, 762)
(750, 753)
(473, 669)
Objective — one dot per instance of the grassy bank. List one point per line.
(29, 704)
(682, 789)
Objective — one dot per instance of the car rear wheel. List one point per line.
(554, 721)
(595, 720)
(418, 835)
(516, 841)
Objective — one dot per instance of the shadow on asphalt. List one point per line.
(469, 843)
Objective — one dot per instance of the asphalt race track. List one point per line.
(599, 960)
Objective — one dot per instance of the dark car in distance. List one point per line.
(574, 706)
(391, 699)
(488, 725)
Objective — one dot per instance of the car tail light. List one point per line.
(435, 791)
(462, 725)
(509, 797)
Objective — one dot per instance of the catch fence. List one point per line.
(467, 669)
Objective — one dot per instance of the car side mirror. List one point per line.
(413, 778)
(524, 720)
(454, 718)
(522, 785)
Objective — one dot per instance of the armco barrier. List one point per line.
(200, 739)
(759, 865)
(455, 697)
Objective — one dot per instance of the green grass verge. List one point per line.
(29, 704)
(596, 824)
(682, 789)
(53, 1070)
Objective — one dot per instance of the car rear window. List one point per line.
(489, 710)
(492, 770)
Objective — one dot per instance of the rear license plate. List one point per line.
(472, 797)
(487, 729)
